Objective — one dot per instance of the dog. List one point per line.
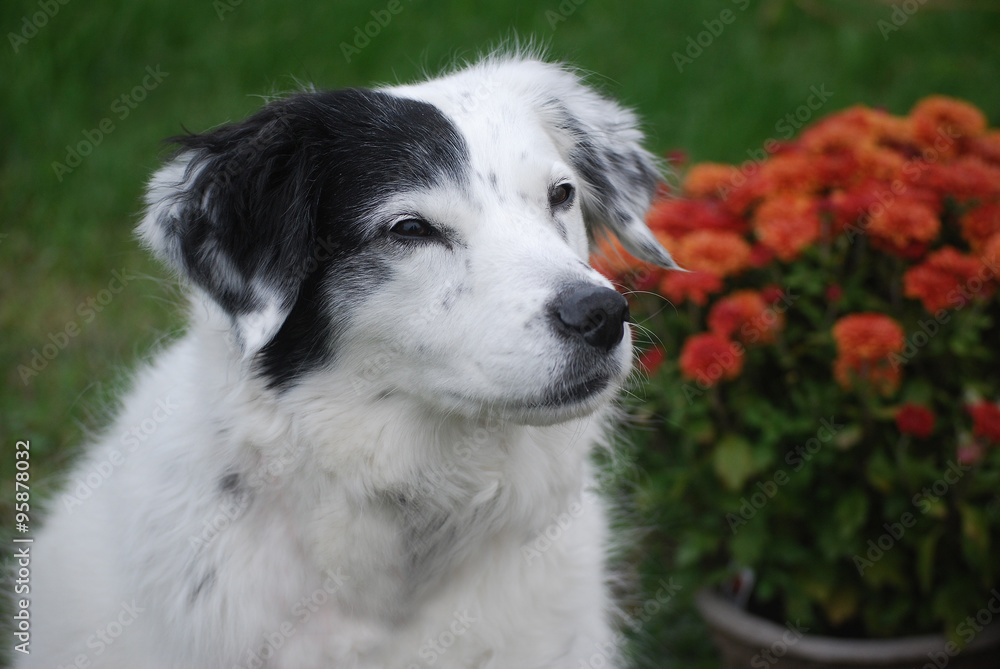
(397, 366)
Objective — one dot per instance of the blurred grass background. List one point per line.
(61, 239)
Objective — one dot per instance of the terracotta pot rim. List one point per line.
(728, 619)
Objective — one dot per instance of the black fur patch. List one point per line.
(230, 484)
(274, 208)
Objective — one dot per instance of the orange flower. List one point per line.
(792, 172)
(838, 132)
(706, 180)
(938, 118)
(787, 223)
(906, 227)
(865, 344)
(857, 126)
(946, 279)
(979, 224)
(746, 314)
(715, 252)
(612, 260)
(694, 286)
(708, 358)
(867, 336)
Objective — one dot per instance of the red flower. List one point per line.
(787, 223)
(833, 292)
(677, 218)
(981, 223)
(772, 293)
(694, 286)
(865, 346)
(986, 420)
(707, 358)
(915, 419)
(650, 360)
(968, 178)
(946, 279)
(760, 256)
(991, 254)
(746, 315)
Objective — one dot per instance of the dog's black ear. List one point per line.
(601, 140)
(235, 212)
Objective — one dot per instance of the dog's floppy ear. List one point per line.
(602, 142)
(235, 213)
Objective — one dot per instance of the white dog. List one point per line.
(398, 364)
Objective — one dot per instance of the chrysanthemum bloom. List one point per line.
(967, 178)
(938, 117)
(981, 223)
(991, 256)
(915, 419)
(719, 253)
(745, 314)
(882, 377)
(839, 131)
(709, 358)
(651, 359)
(676, 218)
(772, 293)
(612, 260)
(708, 180)
(853, 209)
(906, 227)
(760, 256)
(986, 420)
(946, 279)
(792, 172)
(695, 286)
(787, 223)
(865, 343)
(854, 126)
(987, 147)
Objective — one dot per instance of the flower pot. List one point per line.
(745, 640)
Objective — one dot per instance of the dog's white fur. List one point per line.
(378, 509)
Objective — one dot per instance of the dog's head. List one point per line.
(428, 240)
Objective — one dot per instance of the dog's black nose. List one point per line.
(595, 314)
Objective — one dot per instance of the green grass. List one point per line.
(60, 240)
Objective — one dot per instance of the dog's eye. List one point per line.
(413, 228)
(560, 195)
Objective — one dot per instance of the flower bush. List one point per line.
(824, 379)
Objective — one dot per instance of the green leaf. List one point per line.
(975, 529)
(732, 461)
(926, 547)
(851, 513)
(881, 472)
